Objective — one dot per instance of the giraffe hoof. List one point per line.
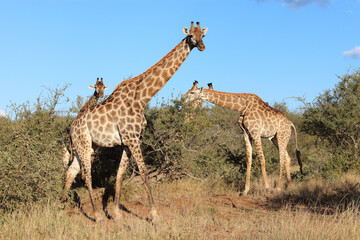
(156, 219)
(99, 218)
(117, 215)
(244, 193)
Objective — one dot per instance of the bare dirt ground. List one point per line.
(221, 212)
(138, 208)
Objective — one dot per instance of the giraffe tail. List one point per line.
(298, 153)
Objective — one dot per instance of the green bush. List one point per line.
(30, 144)
(334, 119)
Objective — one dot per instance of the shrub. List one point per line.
(334, 119)
(30, 146)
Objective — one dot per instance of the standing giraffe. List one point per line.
(119, 120)
(98, 93)
(257, 120)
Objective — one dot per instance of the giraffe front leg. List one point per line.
(260, 153)
(248, 149)
(136, 153)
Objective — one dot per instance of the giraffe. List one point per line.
(119, 120)
(257, 120)
(195, 104)
(98, 93)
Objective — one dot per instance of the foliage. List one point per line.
(334, 118)
(30, 151)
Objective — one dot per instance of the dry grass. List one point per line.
(191, 210)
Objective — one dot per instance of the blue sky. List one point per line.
(273, 48)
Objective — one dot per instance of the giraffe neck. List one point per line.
(151, 81)
(238, 102)
(90, 103)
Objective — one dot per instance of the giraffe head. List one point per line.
(195, 36)
(195, 95)
(99, 88)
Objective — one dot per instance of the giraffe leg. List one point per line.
(136, 153)
(85, 158)
(282, 153)
(276, 143)
(124, 161)
(287, 169)
(281, 141)
(259, 150)
(70, 175)
(248, 149)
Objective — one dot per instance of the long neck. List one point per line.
(238, 102)
(151, 81)
(90, 103)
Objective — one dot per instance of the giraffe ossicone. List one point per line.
(119, 120)
(257, 120)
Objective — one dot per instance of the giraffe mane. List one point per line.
(227, 93)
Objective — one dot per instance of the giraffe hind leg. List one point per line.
(284, 158)
(248, 149)
(86, 167)
(124, 161)
(287, 168)
(260, 153)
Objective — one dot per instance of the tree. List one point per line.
(334, 117)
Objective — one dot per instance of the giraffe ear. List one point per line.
(186, 31)
(204, 30)
(106, 87)
(202, 88)
(91, 86)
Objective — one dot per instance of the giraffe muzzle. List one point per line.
(201, 47)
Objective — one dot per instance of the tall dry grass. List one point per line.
(190, 210)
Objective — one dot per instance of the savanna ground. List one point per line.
(209, 209)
